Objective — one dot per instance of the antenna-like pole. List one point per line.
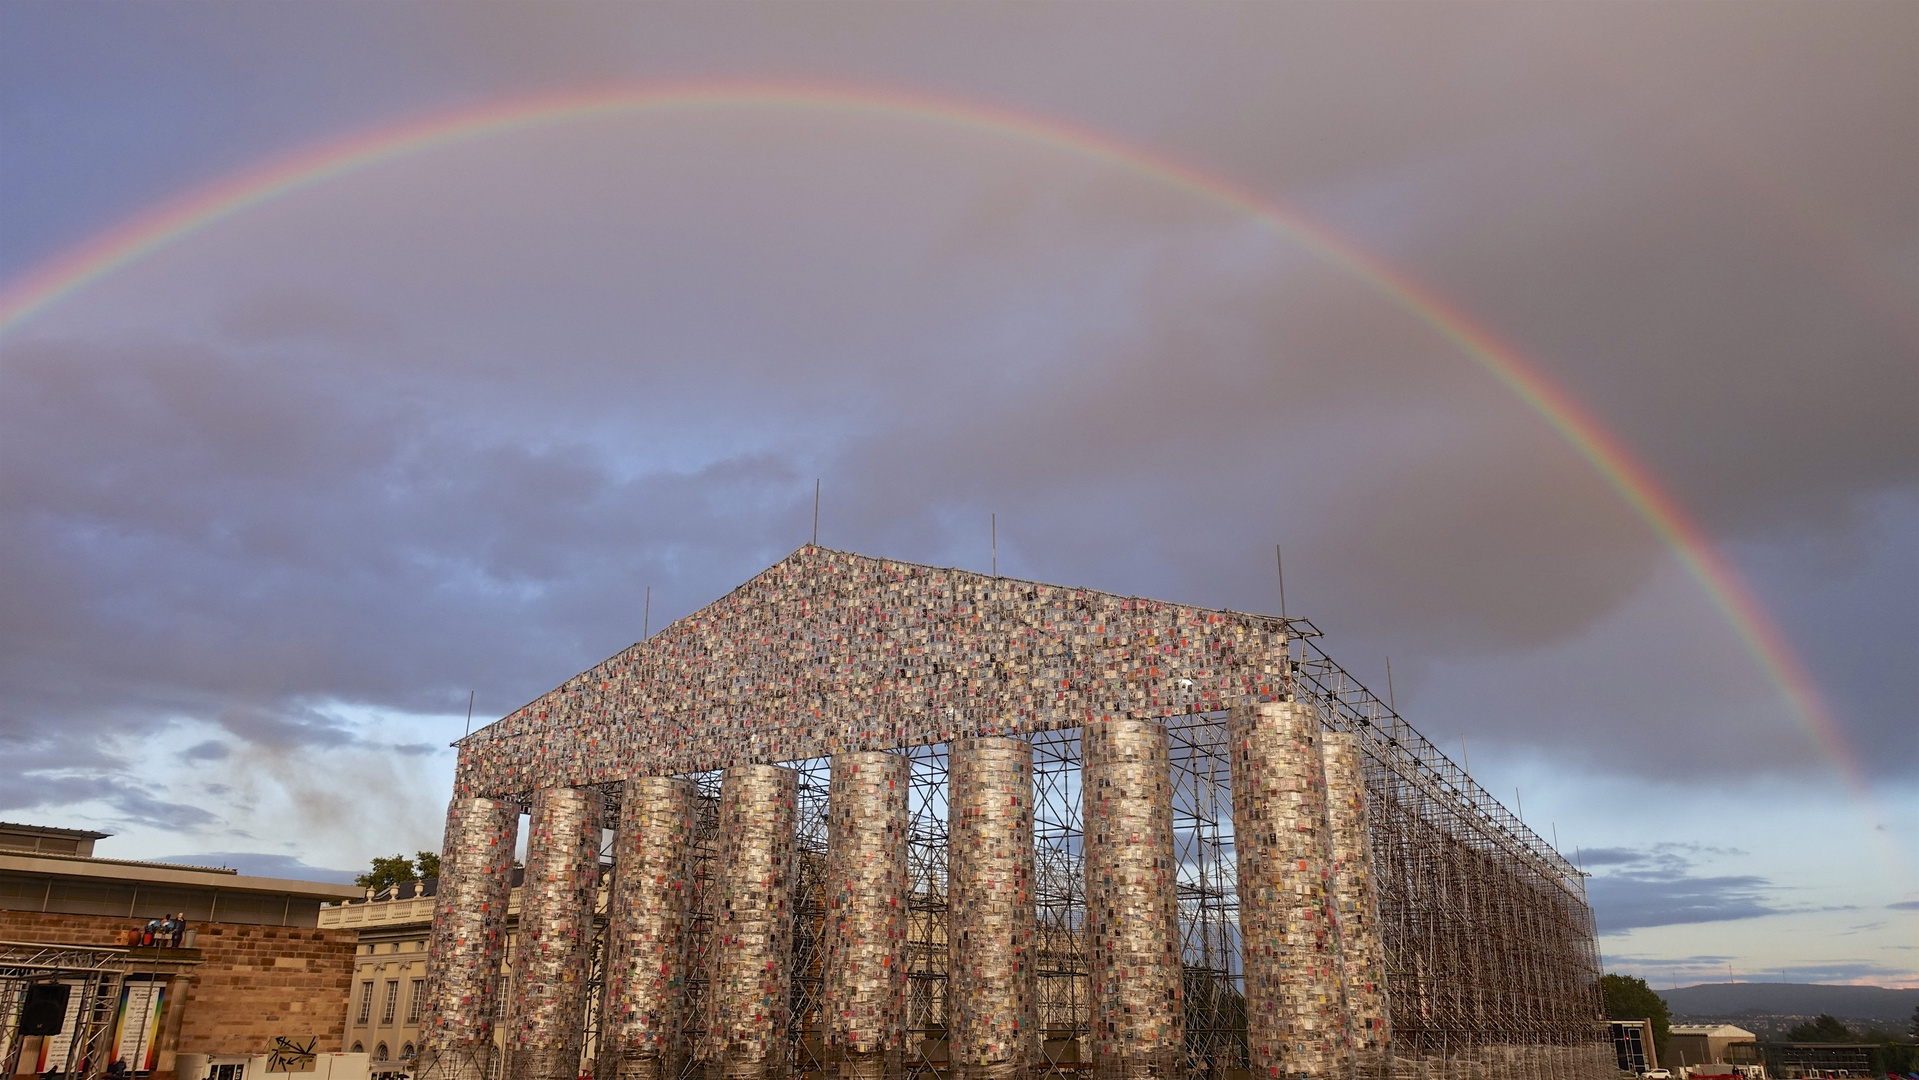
(646, 620)
(816, 512)
(469, 711)
(995, 545)
(1465, 757)
(1280, 560)
(1520, 804)
(1390, 703)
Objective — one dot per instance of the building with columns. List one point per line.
(875, 819)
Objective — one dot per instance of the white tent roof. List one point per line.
(1713, 1031)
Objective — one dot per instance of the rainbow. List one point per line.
(1756, 630)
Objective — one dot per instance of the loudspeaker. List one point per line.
(45, 1010)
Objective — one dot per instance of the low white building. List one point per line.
(1710, 1044)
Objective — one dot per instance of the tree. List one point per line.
(1629, 998)
(387, 871)
(428, 863)
(1821, 1028)
(1912, 1029)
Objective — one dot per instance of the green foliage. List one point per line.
(1890, 1054)
(387, 871)
(1898, 1057)
(1821, 1028)
(391, 870)
(1629, 998)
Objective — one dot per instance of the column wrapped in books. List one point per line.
(866, 913)
(1296, 1020)
(993, 1022)
(643, 1012)
(1355, 899)
(748, 975)
(468, 939)
(552, 958)
(1132, 905)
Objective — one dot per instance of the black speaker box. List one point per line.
(45, 1010)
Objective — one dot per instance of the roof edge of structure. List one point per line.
(1293, 626)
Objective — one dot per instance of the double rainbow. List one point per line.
(1756, 630)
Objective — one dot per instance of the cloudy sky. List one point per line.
(275, 497)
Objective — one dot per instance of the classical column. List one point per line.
(1355, 900)
(468, 938)
(866, 913)
(1296, 1023)
(1132, 906)
(643, 1012)
(993, 1017)
(551, 957)
(748, 980)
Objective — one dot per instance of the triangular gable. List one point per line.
(828, 651)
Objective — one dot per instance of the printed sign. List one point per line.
(136, 1037)
(292, 1053)
(53, 1048)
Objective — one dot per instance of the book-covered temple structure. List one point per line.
(868, 819)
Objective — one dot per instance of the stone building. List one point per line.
(255, 966)
(388, 988)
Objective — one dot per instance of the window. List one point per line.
(392, 1001)
(366, 1002)
(406, 1052)
(379, 1052)
(358, 1048)
(416, 995)
(227, 1072)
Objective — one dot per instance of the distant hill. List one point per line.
(1887, 1007)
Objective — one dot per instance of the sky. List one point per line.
(279, 495)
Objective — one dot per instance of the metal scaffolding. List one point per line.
(94, 976)
(1059, 900)
(1490, 962)
(806, 1035)
(1492, 967)
(1208, 897)
(927, 1051)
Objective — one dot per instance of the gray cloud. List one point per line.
(210, 750)
(38, 789)
(1657, 887)
(1666, 965)
(142, 808)
(437, 426)
(1623, 902)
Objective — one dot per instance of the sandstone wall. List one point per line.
(253, 982)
